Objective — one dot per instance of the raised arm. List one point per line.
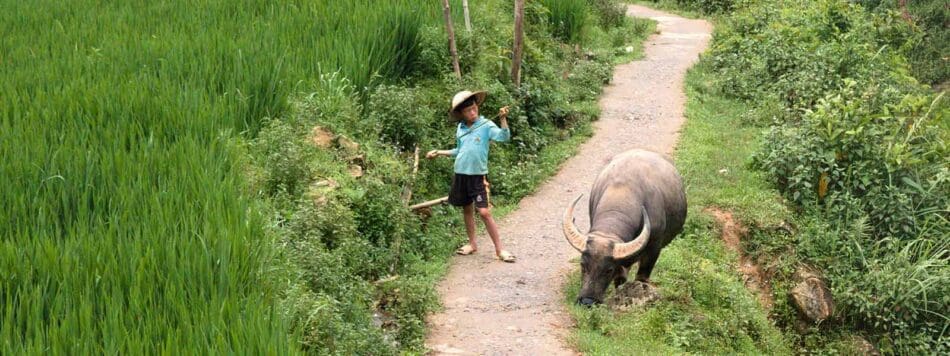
(501, 134)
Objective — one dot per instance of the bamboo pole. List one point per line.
(429, 203)
(468, 20)
(447, 13)
(519, 43)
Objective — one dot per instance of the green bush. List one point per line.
(798, 54)
(928, 47)
(610, 13)
(708, 7)
(397, 117)
(285, 159)
(587, 78)
(860, 148)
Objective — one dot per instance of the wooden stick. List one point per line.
(415, 163)
(519, 43)
(468, 20)
(429, 203)
(407, 190)
(397, 245)
(447, 13)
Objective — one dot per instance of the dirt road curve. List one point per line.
(494, 308)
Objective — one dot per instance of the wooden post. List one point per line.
(519, 43)
(468, 20)
(447, 13)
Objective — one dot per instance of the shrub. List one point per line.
(284, 158)
(397, 117)
(610, 13)
(587, 78)
(927, 48)
(799, 55)
(708, 7)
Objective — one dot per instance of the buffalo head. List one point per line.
(601, 254)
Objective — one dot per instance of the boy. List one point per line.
(471, 165)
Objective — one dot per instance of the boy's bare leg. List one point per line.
(491, 227)
(469, 212)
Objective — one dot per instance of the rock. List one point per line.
(326, 183)
(317, 192)
(359, 160)
(444, 349)
(355, 171)
(321, 137)
(863, 347)
(632, 294)
(347, 144)
(811, 296)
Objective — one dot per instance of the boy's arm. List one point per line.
(502, 134)
(451, 153)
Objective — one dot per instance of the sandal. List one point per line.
(465, 250)
(506, 256)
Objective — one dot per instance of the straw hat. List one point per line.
(463, 95)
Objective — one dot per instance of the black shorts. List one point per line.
(468, 189)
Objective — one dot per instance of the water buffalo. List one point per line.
(637, 206)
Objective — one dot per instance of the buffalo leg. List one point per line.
(622, 277)
(645, 267)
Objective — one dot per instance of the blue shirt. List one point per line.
(471, 151)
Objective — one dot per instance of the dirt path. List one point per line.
(493, 308)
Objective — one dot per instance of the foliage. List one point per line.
(799, 54)
(860, 148)
(707, 7)
(610, 13)
(398, 117)
(930, 42)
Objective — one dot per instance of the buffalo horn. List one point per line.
(578, 240)
(628, 249)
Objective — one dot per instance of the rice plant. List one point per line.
(124, 224)
(567, 18)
